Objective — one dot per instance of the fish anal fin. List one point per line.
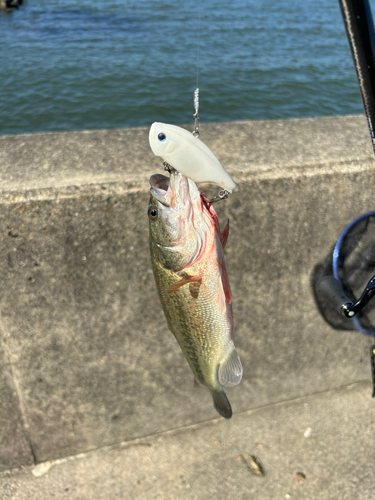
(225, 234)
(230, 368)
(183, 281)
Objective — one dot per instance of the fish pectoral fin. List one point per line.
(183, 281)
(230, 369)
(197, 385)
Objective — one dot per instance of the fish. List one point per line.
(188, 155)
(187, 257)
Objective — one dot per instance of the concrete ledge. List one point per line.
(80, 319)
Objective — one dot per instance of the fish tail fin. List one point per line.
(221, 403)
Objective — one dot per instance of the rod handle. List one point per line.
(329, 289)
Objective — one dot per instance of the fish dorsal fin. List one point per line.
(224, 278)
(230, 368)
(222, 300)
(225, 234)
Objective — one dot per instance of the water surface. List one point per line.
(104, 64)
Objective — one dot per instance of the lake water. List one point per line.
(109, 63)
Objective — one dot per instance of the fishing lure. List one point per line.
(188, 155)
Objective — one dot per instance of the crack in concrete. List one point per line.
(24, 420)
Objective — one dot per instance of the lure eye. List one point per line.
(162, 137)
(152, 213)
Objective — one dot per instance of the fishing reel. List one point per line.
(353, 261)
(330, 290)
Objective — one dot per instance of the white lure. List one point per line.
(188, 155)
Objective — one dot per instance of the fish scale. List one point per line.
(194, 324)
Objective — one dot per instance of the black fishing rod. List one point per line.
(360, 30)
(359, 27)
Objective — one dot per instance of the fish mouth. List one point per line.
(176, 191)
(159, 181)
(159, 188)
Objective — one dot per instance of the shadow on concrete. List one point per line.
(330, 315)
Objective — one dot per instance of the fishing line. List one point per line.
(191, 157)
(196, 91)
(198, 40)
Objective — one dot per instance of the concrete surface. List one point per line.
(85, 337)
(317, 447)
(14, 445)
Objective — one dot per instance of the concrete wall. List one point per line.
(86, 357)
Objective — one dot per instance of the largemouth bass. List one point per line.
(187, 257)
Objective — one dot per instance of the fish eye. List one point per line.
(162, 137)
(152, 213)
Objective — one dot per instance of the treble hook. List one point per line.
(168, 168)
(223, 195)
